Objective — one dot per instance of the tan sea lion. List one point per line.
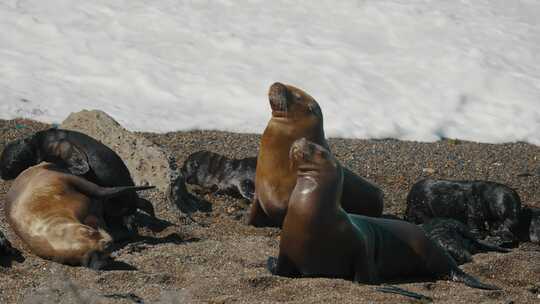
(319, 239)
(60, 215)
(295, 115)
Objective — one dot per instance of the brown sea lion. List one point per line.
(60, 215)
(295, 115)
(319, 239)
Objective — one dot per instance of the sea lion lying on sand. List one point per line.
(82, 155)
(456, 238)
(319, 239)
(218, 173)
(475, 203)
(60, 215)
(295, 115)
(528, 229)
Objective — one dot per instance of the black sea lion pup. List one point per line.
(528, 229)
(319, 239)
(295, 115)
(5, 246)
(60, 215)
(218, 173)
(474, 203)
(81, 155)
(456, 239)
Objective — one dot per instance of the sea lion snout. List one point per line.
(278, 96)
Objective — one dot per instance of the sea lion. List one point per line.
(6, 248)
(474, 203)
(456, 238)
(218, 173)
(60, 215)
(295, 115)
(528, 228)
(319, 239)
(81, 155)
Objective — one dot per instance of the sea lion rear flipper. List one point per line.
(458, 275)
(485, 246)
(403, 292)
(145, 206)
(94, 190)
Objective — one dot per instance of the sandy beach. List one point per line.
(218, 259)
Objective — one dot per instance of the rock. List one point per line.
(147, 163)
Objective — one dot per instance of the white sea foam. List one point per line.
(416, 70)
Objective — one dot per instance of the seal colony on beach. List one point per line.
(59, 208)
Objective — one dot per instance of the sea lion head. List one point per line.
(317, 167)
(16, 157)
(290, 102)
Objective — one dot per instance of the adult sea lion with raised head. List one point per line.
(60, 215)
(319, 239)
(295, 115)
(81, 155)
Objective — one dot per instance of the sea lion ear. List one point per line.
(75, 158)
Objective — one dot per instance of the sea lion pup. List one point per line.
(528, 229)
(5, 246)
(218, 173)
(295, 114)
(473, 203)
(319, 239)
(456, 238)
(60, 215)
(81, 155)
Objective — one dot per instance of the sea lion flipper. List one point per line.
(282, 266)
(403, 292)
(458, 275)
(145, 206)
(94, 190)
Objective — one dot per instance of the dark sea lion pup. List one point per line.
(473, 203)
(297, 115)
(218, 173)
(6, 249)
(528, 229)
(81, 155)
(319, 239)
(60, 215)
(456, 238)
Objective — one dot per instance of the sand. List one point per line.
(218, 259)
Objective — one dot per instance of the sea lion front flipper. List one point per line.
(257, 217)
(282, 266)
(247, 189)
